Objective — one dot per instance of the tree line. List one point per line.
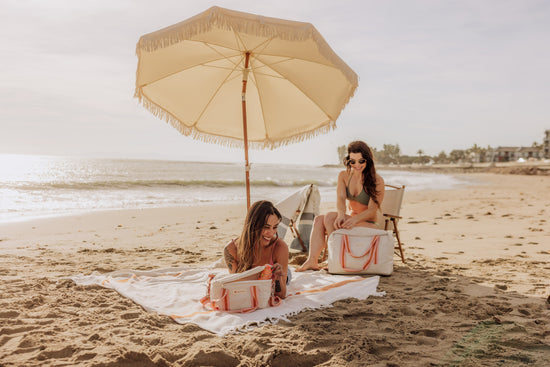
(391, 154)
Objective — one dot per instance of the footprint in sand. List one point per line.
(65, 352)
(85, 356)
(211, 358)
(10, 314)
(130, 315)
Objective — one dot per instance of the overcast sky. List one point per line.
(433, 75)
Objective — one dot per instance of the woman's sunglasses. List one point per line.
(360, 161)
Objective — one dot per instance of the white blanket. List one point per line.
(176, 292)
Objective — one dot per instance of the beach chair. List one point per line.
(391, 206)
(298, 211)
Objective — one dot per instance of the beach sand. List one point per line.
(473, 291)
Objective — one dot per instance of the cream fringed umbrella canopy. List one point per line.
(241, 79)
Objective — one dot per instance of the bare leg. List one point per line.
(323, 226)
(316, 244)
(329, 222)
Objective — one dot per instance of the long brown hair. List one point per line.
(248, 244)
(369, 173)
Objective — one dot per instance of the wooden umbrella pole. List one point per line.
(245, 132)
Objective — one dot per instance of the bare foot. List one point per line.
(308, 265)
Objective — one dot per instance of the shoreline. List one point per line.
(473, 290)
(512, 168)
(23, 217)
(82, 212)
(529, 168)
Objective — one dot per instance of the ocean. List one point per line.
(34, 186)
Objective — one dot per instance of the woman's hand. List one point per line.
(350, 223)
(339, 221)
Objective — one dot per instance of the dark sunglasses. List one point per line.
(360, 161)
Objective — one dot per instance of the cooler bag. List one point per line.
(360, 250)
(240, 292)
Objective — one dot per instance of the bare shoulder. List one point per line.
(280, 247)
(280, 252)
(231, 246)
(280, 244)
(343, 175)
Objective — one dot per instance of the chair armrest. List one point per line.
(393, 186)
(392, 216)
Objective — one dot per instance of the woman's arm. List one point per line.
(230, 256)
(280, 262)
(341, 197)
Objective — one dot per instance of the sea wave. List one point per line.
(136, 184)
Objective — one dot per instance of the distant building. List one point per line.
(505, 154)
(529, 152)
(509, 154)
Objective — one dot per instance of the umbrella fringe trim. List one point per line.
(196, 134)
(260, 26)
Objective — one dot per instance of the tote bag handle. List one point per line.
(222, 304)
(372, 252)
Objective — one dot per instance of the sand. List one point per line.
(473, 291)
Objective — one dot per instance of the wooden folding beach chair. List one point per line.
(298, 211)
(295, 233)
(391, 207)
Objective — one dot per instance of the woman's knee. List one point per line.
(319, 221)
(329, 218)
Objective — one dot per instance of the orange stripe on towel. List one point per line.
(192, 314)
(125, 280)
(327, 287)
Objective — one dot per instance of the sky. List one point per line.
(433, 76)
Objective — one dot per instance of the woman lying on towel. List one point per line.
(259, 245)
(362, 187)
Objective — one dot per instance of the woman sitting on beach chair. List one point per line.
(362, 187)
(259, 245)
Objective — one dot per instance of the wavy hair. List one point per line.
(248, 244)
(369, 173)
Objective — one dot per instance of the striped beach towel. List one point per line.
(301, 208)
(176, 292)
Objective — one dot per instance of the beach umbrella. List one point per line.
(244, 80)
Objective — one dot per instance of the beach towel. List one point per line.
(300, 207)
(176, 292)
